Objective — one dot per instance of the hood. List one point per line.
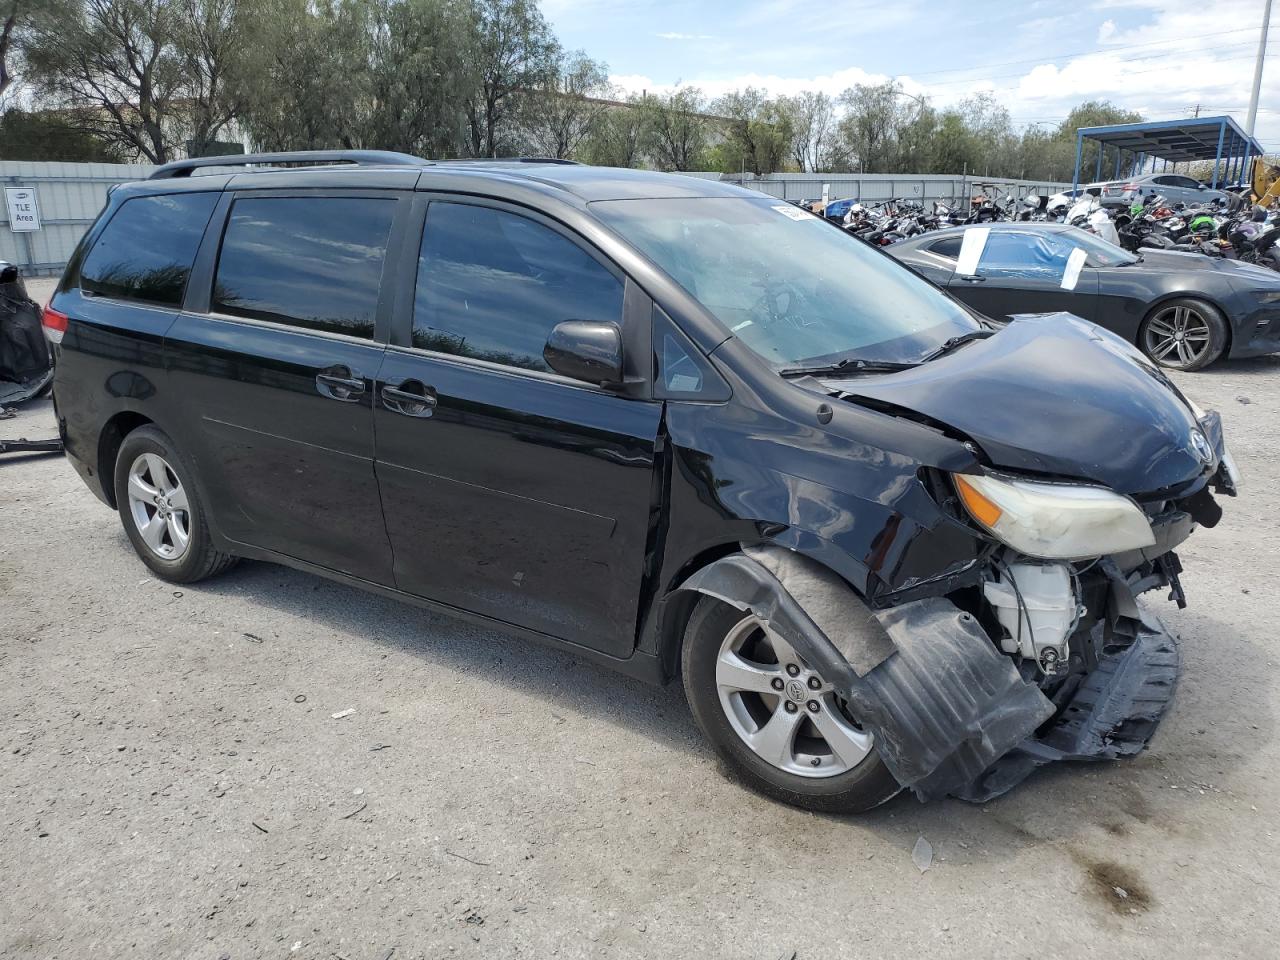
(1053, 394)
(1177, 261)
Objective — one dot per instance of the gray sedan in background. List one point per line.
(1183, 310)
(1174, 187)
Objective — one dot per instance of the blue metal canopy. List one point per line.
(1219, 139)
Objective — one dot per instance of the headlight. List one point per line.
(1054, 521)
(1268, 296)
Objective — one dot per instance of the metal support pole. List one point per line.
(1075, 177)
(1257, 70)
(1222, 132)
(1097, 174)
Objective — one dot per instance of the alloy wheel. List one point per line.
(1177, 337)
(159, 507)
(785, 712)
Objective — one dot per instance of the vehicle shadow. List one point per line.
(551, 675)
(1248, 366)
(1098, 804)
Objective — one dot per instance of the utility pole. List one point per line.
(1257, 70)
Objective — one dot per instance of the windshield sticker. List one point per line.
(975, 241)
(1075, 263)
(795, 213)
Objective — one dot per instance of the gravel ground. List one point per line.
(174, 783)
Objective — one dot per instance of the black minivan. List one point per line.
(676, 426)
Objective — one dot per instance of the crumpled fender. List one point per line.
(923, 677)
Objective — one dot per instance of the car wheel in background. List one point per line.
(162, 511)
(1184, 334)
(776, 722)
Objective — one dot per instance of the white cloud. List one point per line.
(1184, 53)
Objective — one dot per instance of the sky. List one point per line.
(1161, 58)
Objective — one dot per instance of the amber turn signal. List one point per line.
(979, 507)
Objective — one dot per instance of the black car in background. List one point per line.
(1184, 310)
(669, 424)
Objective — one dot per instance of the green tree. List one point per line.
(513, 50)
(8, 36)
(811, 117)
(141, 75)
(569, 106)
(303, 82)
(758, 132)
(869, 131)
(47, 136)
(675, 128)
(618, 138)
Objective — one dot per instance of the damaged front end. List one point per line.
(969, 691)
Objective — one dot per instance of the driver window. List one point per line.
(1024, 256)
(492, 285)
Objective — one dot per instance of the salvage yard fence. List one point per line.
(70, 195)
(874, 187)
(68, 198)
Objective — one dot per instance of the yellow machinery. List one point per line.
(1265, 180)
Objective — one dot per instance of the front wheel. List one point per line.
(777, 723)
(1185, 334)
(161, 509)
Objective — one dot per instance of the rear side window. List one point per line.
(492, 285)
(146, 249)
(950, 247)
(313, 262)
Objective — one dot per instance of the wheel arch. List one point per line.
(695, 579)
(110, 437)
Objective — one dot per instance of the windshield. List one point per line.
(793, 288)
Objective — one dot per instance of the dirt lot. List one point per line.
(174, 784)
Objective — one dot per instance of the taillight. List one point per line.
(55, 324)
(1131, 187)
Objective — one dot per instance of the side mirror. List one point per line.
(586, 350)
(1201, 186)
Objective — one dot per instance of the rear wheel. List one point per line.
(162, 511)
(1185, 334)
(777, 723)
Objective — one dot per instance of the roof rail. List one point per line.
(360, 158)
(555, 160)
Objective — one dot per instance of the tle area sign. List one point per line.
(24, 212)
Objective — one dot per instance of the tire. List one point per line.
(1203, 339)
(835, 786)
(162, 510)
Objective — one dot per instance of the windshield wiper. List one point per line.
(848, 365)
(954, 342)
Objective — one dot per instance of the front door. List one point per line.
(273, 366)
(1027, 271)
(510, 491)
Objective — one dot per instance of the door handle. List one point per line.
(974, 279)
(340, 383)
(412, 398)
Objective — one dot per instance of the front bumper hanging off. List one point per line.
(950, 713)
